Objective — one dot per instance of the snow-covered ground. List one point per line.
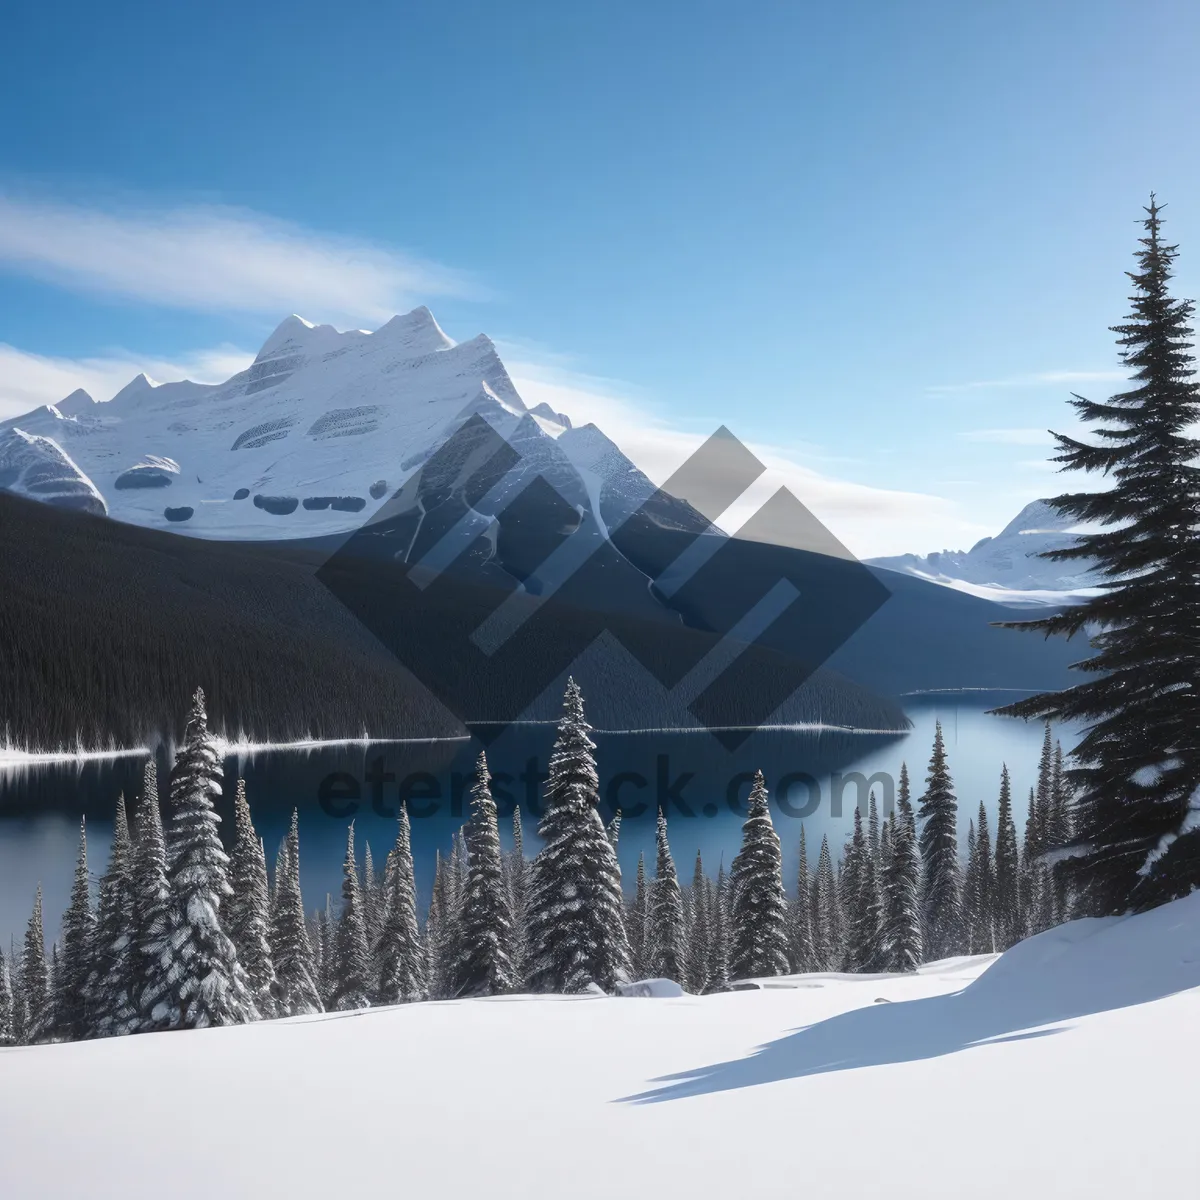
(1065, 1068)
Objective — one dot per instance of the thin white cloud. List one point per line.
(216, 259)
(1037, 379)
(869, 520)
(30, 380)
(1009, 437)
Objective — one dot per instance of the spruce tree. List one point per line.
(1006, 892)
(759, 910)
(576, 916)
(1137, 837)
(983, 932)
(372, 897)
(1035, 892)
(903, 947)
(208, 986)
(8, 1028)
(970, 889)
(826, 942)
(801, 954)
(863, 905)
(485, 966)
(699, 932)
(437, 935)
(401, 970)
(1058, 835)
(941, 895)
(873, 834)
(110, 981)
(665, 928)
(249, 917)
(352, 961)
(20, 1009)
(297, 992)
(35, 978)
(639, 915)
(75, 1015)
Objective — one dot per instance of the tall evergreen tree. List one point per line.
(352, 961)
(400, 956)
(639, 916)
(485, 966)
(1058, 835)
(903, 947)
(372, 897)
(873, 834)
(983, 929)
(249, 916)
(1137, 774)
(8, 1027)
(576, 916)
(941, 895)
(297, 991)
(516, 868)
(1006, 892)
(665, 930)
(801, 953)
(75, 1015)
(35, 978)
(827, 949)
(759, 910)
(20, 1010)
(110, 981)
(1035, 890)
(718, 962)
(699, 932)
(208, 986)
(439, 947)
(970, 888)
(864, 909)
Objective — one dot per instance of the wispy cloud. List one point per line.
(869, 520)
(1009, 437)
(29, 380)
(216, 259)
(1037, 379)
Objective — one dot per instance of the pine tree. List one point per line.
(576, 916)
(35, 978)
(826, 940)
(74, 1019)
(1035, 903)
(901, 936)
(864, 909)
(1137, 837)
(1006, 903)
(941, 895)
(873, 834)
(249, 917)
(639, 915)
(759, 909)
(400, 956)
(1058, 835)
(665, 928)
(352, 961)
(485, 966)
(372, 898)
(20, 1011)
(437, 934)
(970, 888)
(699, 932)
(152, 952)
(109, 985)
(516, 868)
(983, 929)
(801, 953)
(208, 986)
(297, 991)
(718, 962)
(8, 1027)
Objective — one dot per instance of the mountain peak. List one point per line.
(289, 332)
(78, 401)
(417, 331)
(137, 386)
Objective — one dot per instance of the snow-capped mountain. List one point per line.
(312, 438)
(39, 468)
(1006, 566)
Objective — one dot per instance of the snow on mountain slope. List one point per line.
(38, 468)
(1007, 561)
(1064, 1068)
(334, 419)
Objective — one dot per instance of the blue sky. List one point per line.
(881, 241)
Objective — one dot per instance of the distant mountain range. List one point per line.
(1007, 567)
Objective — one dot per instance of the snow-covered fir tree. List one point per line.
(8, 1028)
(351, 979)
(699, 932)
(759, 911)
(639, 911)
(516, 871)
(941, 883)
(1006, 887)
(75, 1016)
(901, 935)
(400, 957)
(873, 834)
(1035, 890)
(372, 897)
(1137, 813)
(576, 914)
(110, 981)
(207, 986)
(801, 952)
(665, 930)
(297, 992)
(1058, 835)
(718, 961)
(485, 966)
(864, 913)
(983, 901)
(248, 911)
(970, 886)
(36, 992)
(20, 1009)
(827, 951)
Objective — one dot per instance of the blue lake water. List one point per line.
(701, 784)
